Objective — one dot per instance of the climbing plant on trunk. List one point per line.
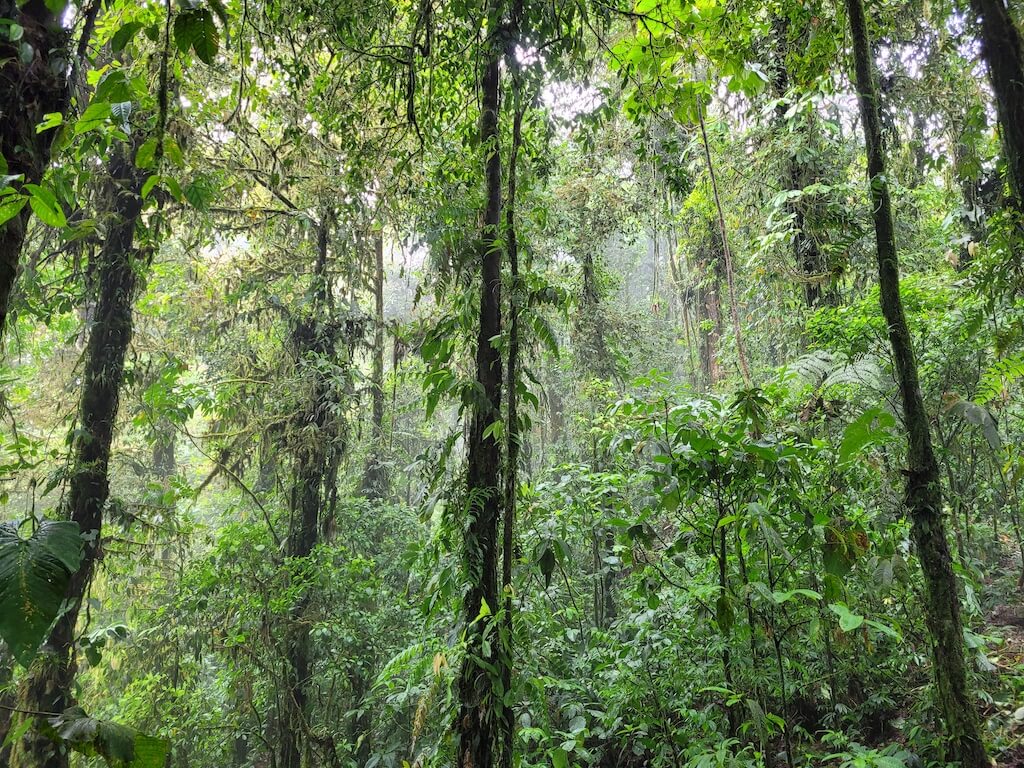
(923, 490)
(478, 717)
(119, 264)
(34, 70)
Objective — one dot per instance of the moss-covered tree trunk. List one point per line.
(924, 495)
(1003, 51)
(798, 173)
(48, 685)
(711, 269)
(375, 476)
(313, 453)
(33, 82)
(478, 723)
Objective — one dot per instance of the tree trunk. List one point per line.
(48, 685)
(1003, 51)
(375, 479)
(709, 311)
(514, 437)
(313, 455)
(797, 174)
(28, 91)
(477, 727)
(590, 325)
(734, 310)
(924, 494)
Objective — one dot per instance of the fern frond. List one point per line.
(999, 375)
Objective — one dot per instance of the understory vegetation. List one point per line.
(506, 384)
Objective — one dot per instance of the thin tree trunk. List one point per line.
(709, 308)
(734, 310)
(28, 91)
(1003, 51)
(48, 685)
(924, 494)
(375, 475)
(477, 726)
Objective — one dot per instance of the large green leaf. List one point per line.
(45, 205)
(10, 206)
(848, 620)
(870, 428)
(119, 745)
(34, 574)
(196, 29)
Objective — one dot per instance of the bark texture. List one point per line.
(375, 476)
(33, 82)
(1003, 52)
(313, 452)
(477, 726)
(924, 495)
(48, 686)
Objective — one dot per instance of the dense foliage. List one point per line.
(501, 383)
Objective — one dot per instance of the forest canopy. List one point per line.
(508, 384)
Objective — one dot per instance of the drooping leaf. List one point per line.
(196, 29)
(978, 416)
(34, 575)
(10, 206)
(119, 745)
(45, 206)
(124, 35)
(848, 621)
(547, 565)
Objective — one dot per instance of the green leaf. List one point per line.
(782, 597)
(119, 745)
(34, 575)
(124, 35)
(50, 120)
(547, 565)
(19, 730)
(863, 432)
(559, 758)
(121, 111)
(95, 115)
(151, 182)
(146, 156)
(10, 206)
(150, 752)
(196, 29)
(848, 621)
(45, 206)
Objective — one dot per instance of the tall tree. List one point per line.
(34, 72)
(375, 477)
(477, 726)
(923, 489)
(48, 685)
(1003, 50)
(314, 452)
